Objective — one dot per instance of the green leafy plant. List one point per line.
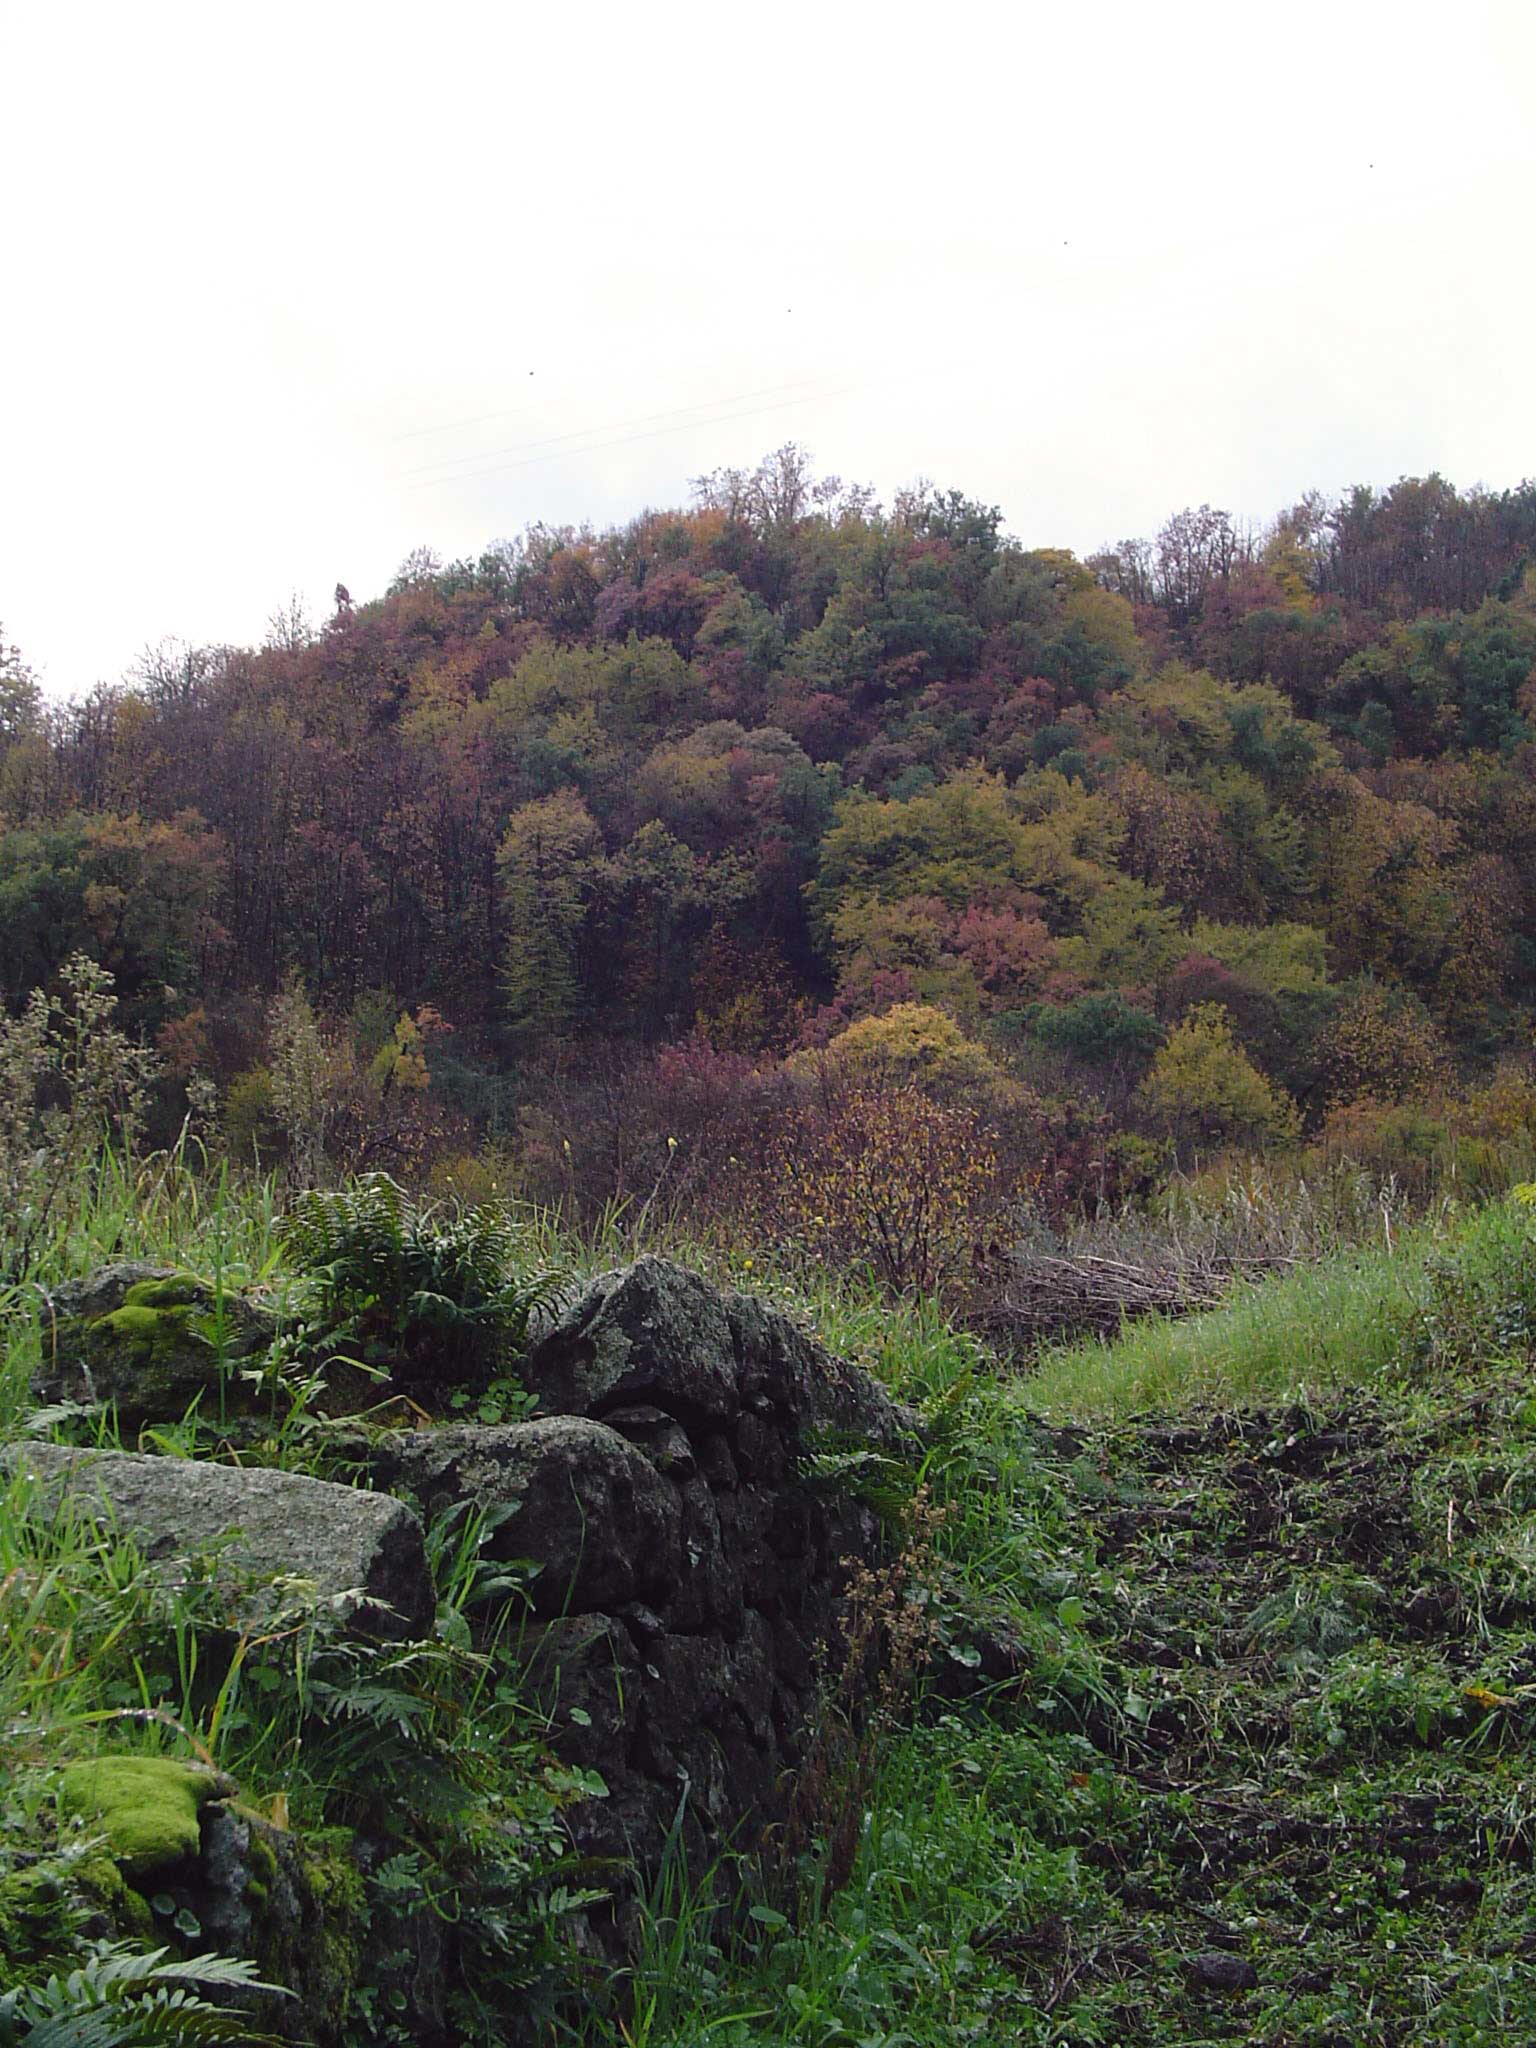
(119, 1998)
(841, 1463)
(431, 1296)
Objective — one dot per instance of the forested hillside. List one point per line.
(724, 844)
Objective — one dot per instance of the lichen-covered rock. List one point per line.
(593, 1512)
(147, 1341)
(147, 1807)
(284, 1541)
(647, 1331)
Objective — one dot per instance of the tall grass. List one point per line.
(1317, 1327)
(1371, 1317)
(174, 1206)
(97, 1645)
(171, 1209)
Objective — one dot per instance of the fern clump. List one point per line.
(433, 1298)
(120, 1998)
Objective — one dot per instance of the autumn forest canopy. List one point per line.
(769, 847)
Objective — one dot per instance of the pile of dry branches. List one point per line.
(1046, 1295)
(1179, 1258)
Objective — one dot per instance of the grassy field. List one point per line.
(1256, 1592)
(1362, 1318)
(1263, 1776)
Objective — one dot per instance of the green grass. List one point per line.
(1365, 1318)
(1319, 1327)
(1276, 1705)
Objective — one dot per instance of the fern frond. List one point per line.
(122, 1997)
(438, 1294)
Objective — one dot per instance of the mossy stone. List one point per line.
(162, 1343)
(108, 1895)
(175, 1290)
(338, 1927)
(148, 1342)
(150, 1335)
(308, 1921)
(48, 1907)
(38, 1919)
(147, 1807)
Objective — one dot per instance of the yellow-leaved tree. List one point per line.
(1204, 1089)
(911, 1045)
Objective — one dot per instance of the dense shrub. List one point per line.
(853, 1174)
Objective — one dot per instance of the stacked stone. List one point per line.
(689, 1573)
(686, 1569)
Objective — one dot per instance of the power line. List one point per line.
(617, 433)
(521, 412)
(515, 412)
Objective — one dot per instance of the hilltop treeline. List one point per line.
(1205, 840)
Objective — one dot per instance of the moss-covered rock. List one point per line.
(147, 1807)
(148, 1341)
(39, 1916)
(175, 1290)
(295, 1905)
(54, 1901)
(325, 1964)
(113, 1909)
(181, 1858)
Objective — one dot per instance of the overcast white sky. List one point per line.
(289, 289)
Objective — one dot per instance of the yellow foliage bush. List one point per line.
(1204, 1088)
(911, 1045)
(859, 1174)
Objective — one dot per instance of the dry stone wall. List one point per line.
(687, 1566)
(690, 1566)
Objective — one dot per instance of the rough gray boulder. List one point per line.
(692, 1556)
(147, 1341)
(596, 1516)
(650, 1328)
(282, 1539)
(653, 1333)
